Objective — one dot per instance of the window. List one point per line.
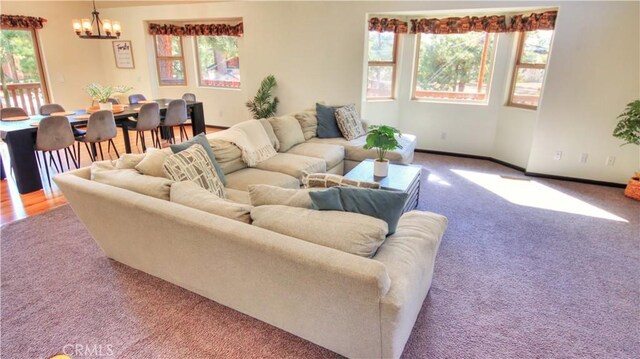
(170, 60)
(528, 74)
(454, 67)
(218, 61)
(382, 65)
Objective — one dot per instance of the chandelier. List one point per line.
(105, 28)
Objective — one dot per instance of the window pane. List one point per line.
(171, 72)
(168, 46)
(219, 61)
(380, 81)
(528, 86)
(455, 66)
(535, 49)
(381, 46)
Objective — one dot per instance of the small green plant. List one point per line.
(383, 139)
(263, 104)
(628, 129)
(103, 93)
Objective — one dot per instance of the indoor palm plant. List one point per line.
(263, 104)
(383, 139)
(103, 93)
(628, 130)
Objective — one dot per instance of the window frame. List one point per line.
(489, 57)
(170, 58)
(197, 57)
(393, 64)
(518, 64)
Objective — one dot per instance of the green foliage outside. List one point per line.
(216, 50)
(263, 104)
(19, 44)
(383, 139)
(381, 46)
(628, 129)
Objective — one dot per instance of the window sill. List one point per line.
(452, 102)
(376, 100)
(220, 88)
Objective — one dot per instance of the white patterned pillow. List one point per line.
(349, 122)
(194, 164)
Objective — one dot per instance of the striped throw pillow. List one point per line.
(194, 164)
(349, 123)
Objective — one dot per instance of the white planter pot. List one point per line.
(106, 106)
(380, 169)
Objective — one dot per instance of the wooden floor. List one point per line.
(14, 206)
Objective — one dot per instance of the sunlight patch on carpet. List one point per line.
(524, 192)
(437, 179)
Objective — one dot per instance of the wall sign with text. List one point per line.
(124, 54)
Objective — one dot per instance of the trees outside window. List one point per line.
(530, 67)
(382, 65)
(218, 61)
(170, 60)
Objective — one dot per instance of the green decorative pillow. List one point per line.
(382, 204)
(193, 164)
(201, 139)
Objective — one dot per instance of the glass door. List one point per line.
(22, 77)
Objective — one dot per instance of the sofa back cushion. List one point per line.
(129, 160)
(348, 120)
(272, 135)
(349, 232)
(151, 164)
(228, 155)
(193, 164)
(191, 195)
(308, 122)
(132, 180)
(288, 131)
(262, 194)
(327, 125)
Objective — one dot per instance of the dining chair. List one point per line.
(48, 109)
(12, 112)
(188, 96)
(148, 120)
(136, 98)
(101, 127)
(55, 134)
(114, 101)
(176, 115)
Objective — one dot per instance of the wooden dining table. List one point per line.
(20, 137)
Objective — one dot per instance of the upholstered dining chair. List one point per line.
(48, 109)
(12, 112)
(176, 115)
(101, 127)
(136, 98)
(113, 101)
(55, 134)
(188, 96)
(148, 120)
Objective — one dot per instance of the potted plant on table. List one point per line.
(102, 94)
(383, 139)
(628, 130)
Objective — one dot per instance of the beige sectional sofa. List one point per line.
(360, 307)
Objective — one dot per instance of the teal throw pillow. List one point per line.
(201, 139)
(382, 204)
(328, 200)
(327, 124)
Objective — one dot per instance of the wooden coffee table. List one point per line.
(405, 178)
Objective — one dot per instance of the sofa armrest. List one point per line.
(365, 124)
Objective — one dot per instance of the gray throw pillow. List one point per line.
(382, 204)
(327, 200)
(202, 140)
(327, 125)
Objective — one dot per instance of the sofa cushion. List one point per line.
(348, 120)
(326, 180)
(129, 160)
(190, 194)
(194, 164)
(151, 164)
(293, 165)
(132, 180)
(237, 195)
(262, 195)
(228, 155)
(385, 205)
(349, 232)
(327, 125)
(241, 180)
(269, 130)
(331, 154)
(288, 131)
(353, 149)
(308, 122)
(201, 139)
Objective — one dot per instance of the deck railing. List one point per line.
(28, 96)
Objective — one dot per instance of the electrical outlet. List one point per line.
(557, 156)
(584, 157)
(611, 160)
(443, 136)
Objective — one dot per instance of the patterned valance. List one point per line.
(459, 25)
(388, 25)
(540, 21)
(21, 22)
(197, 30)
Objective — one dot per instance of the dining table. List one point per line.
(20, 137)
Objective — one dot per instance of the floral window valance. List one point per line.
(21, 22)
(197, 29)
(495, 23)
(388, 25)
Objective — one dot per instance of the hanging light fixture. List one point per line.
(106, 29)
